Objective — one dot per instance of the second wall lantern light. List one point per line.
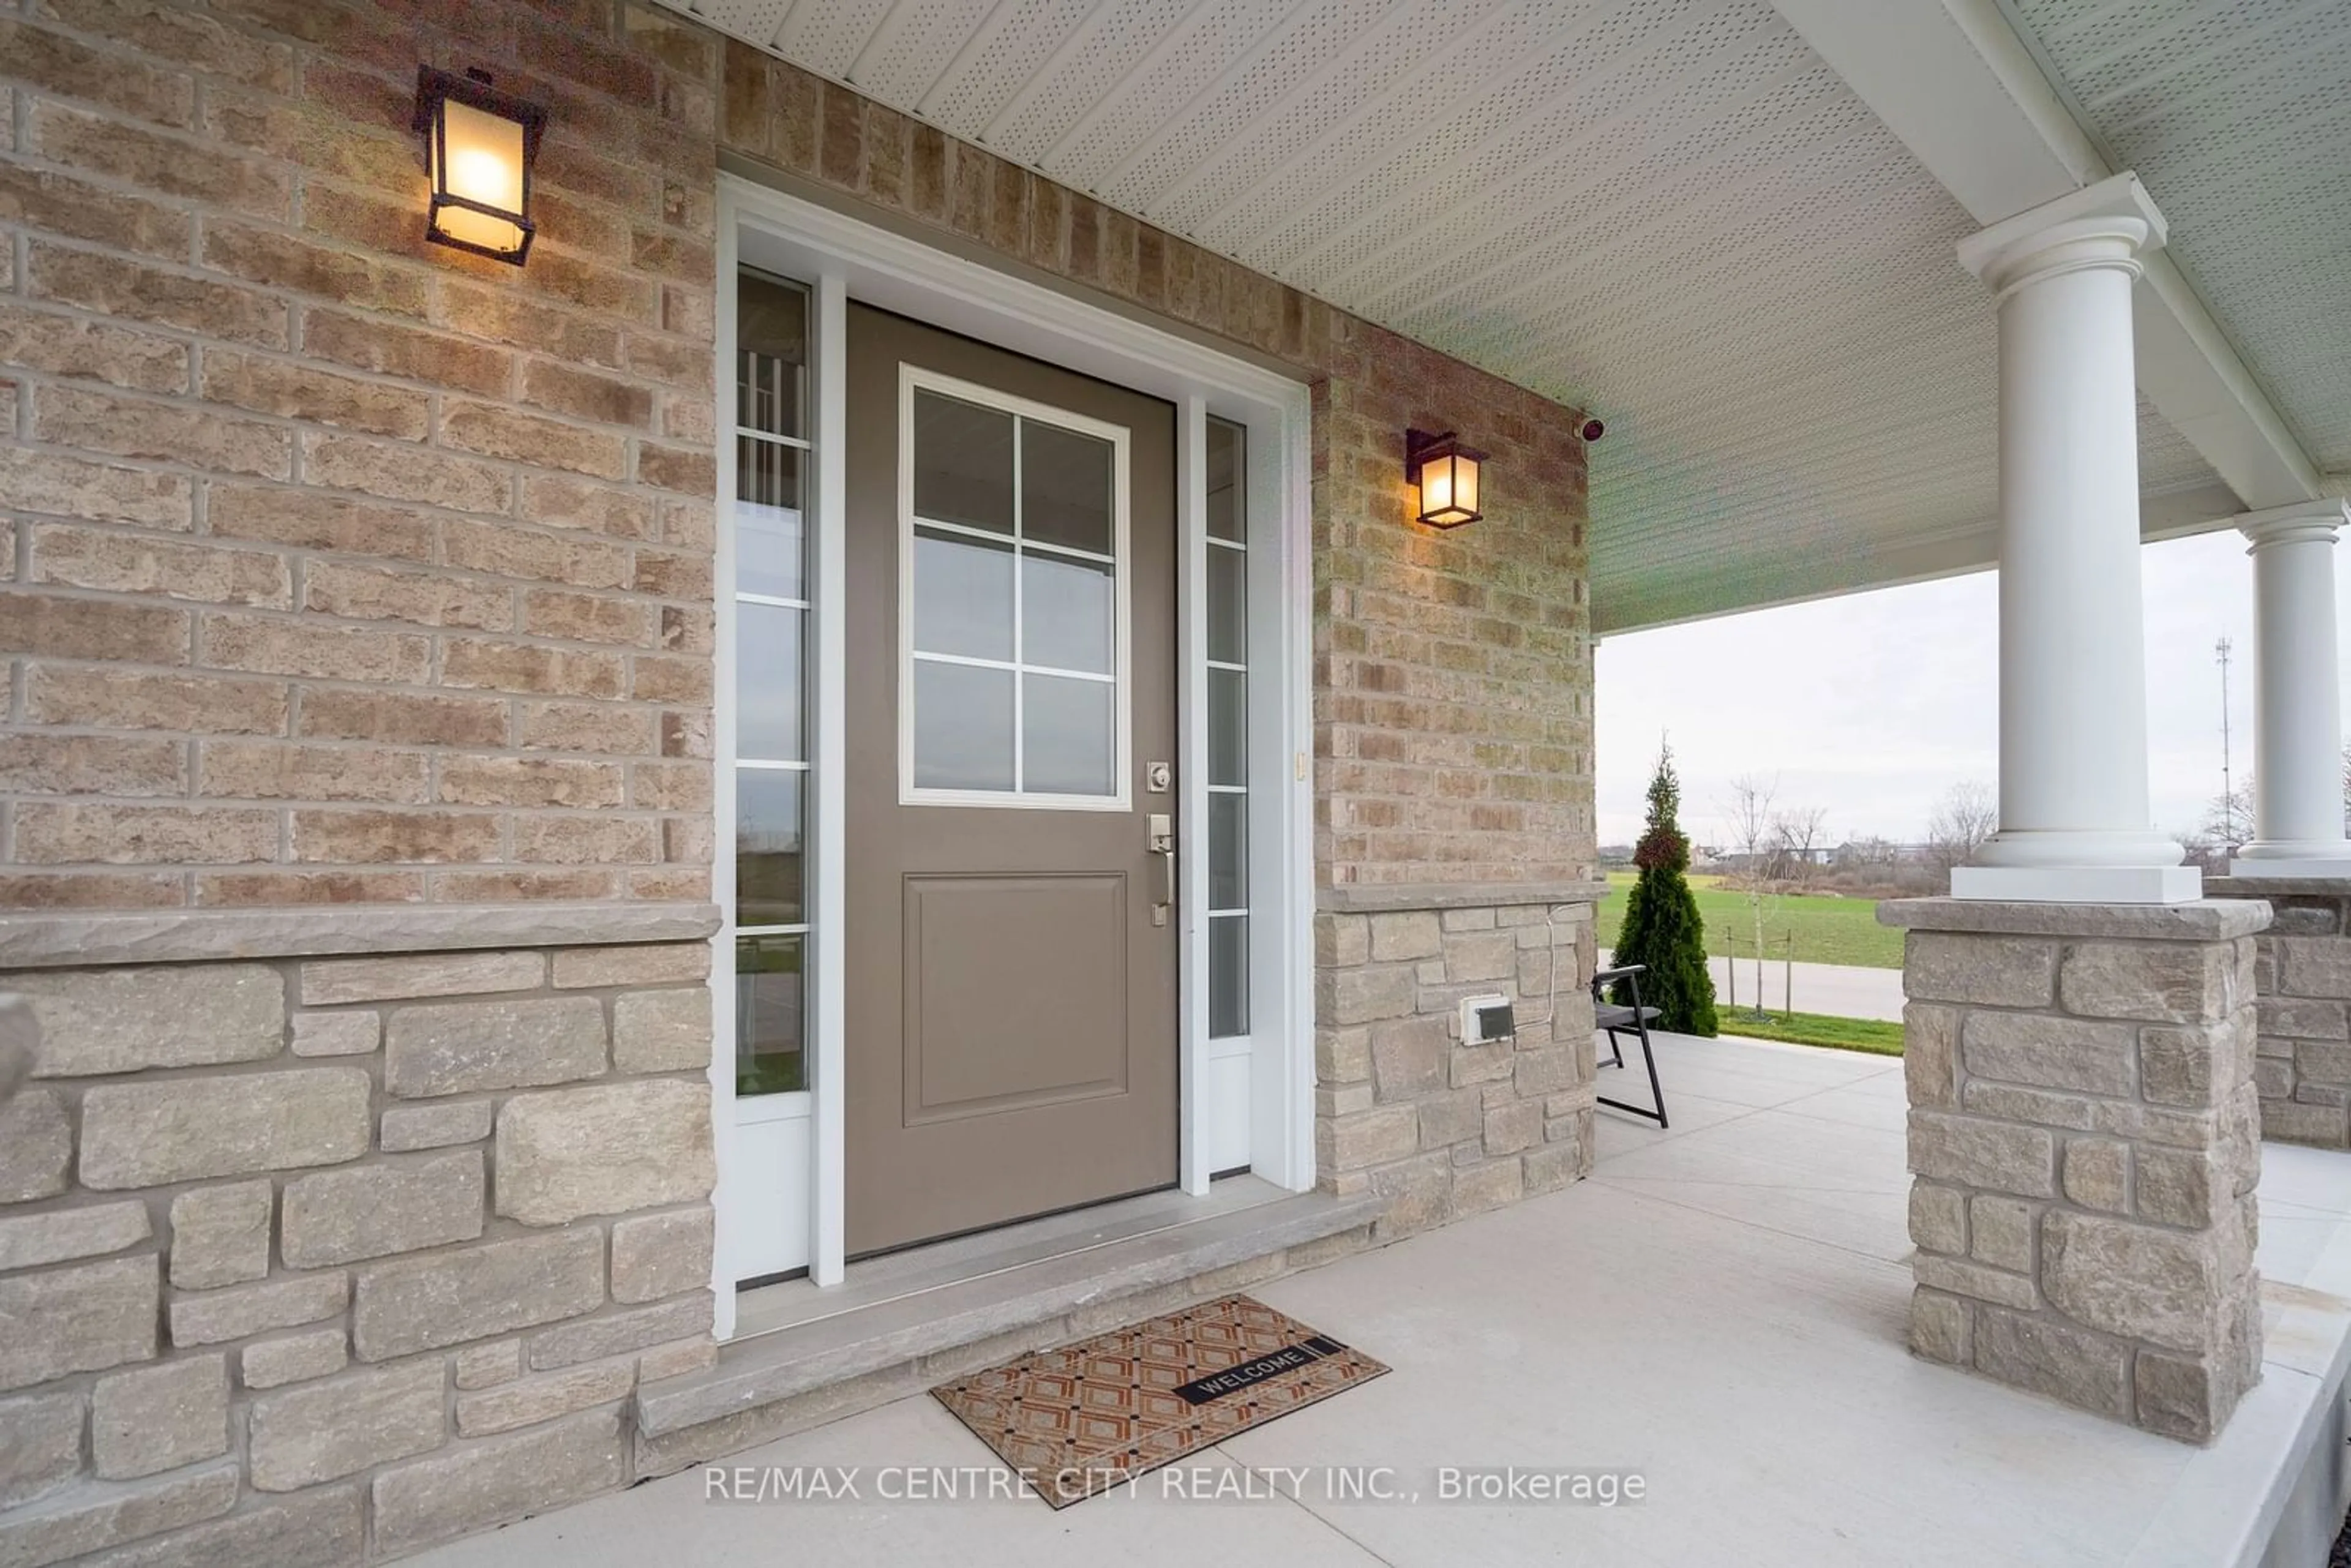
(1446, 474)
(478, 147)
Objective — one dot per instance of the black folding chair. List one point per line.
(1612, 1016)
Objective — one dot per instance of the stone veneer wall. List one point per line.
(2085, 1140)
(328, 1258)
(2303, 980)
(1403, 1108)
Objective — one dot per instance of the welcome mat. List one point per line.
(1085, 1417)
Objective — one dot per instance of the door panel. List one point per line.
(1048, 953)
(1011, 1006)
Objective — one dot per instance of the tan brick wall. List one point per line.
(341, 567)
(347, 568)
(1453, 671)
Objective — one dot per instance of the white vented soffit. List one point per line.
(2236, 114)
(1963, 88)
(1672, 211)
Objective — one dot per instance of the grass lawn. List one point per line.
(1828, 930)
(1871, 1035)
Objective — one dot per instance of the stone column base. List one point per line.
(2078, 885)
(2302, 984)
(2260, 868)
(2085, 1139)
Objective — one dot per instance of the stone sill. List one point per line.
(771, 1367)
(30, 941)
(2240, 886)
(1381, 898)
(2206, 920)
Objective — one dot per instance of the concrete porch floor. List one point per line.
(1720, 1308)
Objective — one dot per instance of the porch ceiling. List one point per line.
(2236, 117)
(1672, 211)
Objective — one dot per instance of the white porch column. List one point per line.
(2074, 825)
(2297, 713)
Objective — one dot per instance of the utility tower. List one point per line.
(2228, 784)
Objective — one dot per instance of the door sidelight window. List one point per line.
(770, 534)
(1228, 798)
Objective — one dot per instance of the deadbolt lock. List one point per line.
(1156, 775)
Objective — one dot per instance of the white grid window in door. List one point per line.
(1013, 600)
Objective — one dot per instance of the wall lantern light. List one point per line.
(478, 147)
(1446, 473)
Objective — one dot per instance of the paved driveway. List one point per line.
(1839, 990)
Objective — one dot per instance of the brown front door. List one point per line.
(1011, 670)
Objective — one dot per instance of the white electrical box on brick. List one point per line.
(1485, 1020)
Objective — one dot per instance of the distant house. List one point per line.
(1856, 852)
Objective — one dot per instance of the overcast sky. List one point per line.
(1872, 704)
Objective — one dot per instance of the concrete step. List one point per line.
(791, 1304)
(909, 1314)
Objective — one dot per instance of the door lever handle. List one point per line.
(1163, 844)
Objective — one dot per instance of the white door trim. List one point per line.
(841, 256)
(1194, 1096)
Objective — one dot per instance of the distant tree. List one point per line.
(1968, 814)
(1871, 850)
(2228, 823)
(1801, 832)
(2205, 851)
(1661, 928)
(1755, 834)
